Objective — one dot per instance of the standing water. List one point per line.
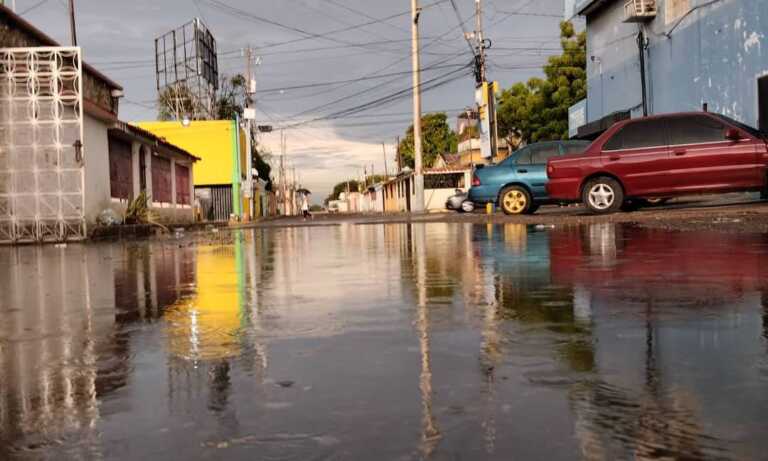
(389, 342)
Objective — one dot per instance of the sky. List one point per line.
(330, 137)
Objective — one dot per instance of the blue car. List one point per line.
(519, 184)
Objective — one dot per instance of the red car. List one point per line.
(660, 157)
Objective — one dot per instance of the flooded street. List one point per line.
(388, 342)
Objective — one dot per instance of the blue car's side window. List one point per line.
(523, 157)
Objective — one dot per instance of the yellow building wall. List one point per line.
(209, 140)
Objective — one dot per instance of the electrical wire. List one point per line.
(424, 87)
(463, 29)
(354, 80)
(245, 15)
(33, 7)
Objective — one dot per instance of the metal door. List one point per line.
(41, 151)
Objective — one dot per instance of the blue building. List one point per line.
(660, 56)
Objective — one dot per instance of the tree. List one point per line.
(178, 100)
(538, 110)
(261, 163)
(437, 138)
(231, 98)
(350, 185)
(228, 105)
(175, 102)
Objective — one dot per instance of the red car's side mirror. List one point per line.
(732, 134)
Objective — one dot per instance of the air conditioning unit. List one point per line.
(639, 10)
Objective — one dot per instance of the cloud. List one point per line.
(323, 157)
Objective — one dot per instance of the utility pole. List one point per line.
(386, 170)
(485, 93)
(399, 160)
(293, 192)
(418, 206)
(479, 47)
(72, 28)
(249, 133)
(284, 193)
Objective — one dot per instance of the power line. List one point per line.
(463, 29)
(245, 15)
(354, 80)
(363, 14)
(33, 7)
(425, 86)
(541, 15)
(368, 90)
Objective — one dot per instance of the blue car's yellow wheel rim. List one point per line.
(514, 201)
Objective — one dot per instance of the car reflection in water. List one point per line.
(676, 320)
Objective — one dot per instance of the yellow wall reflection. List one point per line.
(206, 325)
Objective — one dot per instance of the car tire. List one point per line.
(764, 190)
(603, 195)
(467, 206)
(533, 208)
(515, 200)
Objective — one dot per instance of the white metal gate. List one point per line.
(41, 132)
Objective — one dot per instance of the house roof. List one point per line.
(133, 131)
(448, 170)
(451, 159)
(588, 7)
(44, 40)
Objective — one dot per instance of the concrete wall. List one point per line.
(715, 55)
(96, 157)
(434, 199)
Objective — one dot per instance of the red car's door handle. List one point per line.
(613, 158)
(679, 152)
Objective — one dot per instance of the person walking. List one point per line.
(305, 208)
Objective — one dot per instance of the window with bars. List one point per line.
(161, 180)
(675, 9)
(443, 181)
(120, 169)
(182, 185)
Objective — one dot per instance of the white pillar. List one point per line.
(173, 189)
(148, 163)
(135, 153)
(191, 170)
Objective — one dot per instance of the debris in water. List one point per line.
(286, 383)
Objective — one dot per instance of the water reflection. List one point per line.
(388, 342)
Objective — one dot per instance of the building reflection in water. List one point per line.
(50, 337)
(69, 315)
